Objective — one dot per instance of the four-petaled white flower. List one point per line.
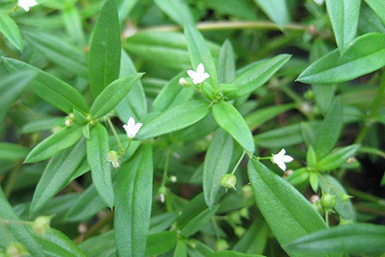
(131, 128)
(26, 4)
(198, 76)
(280, 159)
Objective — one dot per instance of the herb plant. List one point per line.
(229, 128)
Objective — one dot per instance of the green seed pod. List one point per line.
(244, 212)
(221, 245)
(235, 218)
(318, 207)
(114, 159)
(41, 225)
(328, 201)
(247, 191)
(16, 250)
(239, 231)
(228, 181)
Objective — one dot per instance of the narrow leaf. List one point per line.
(232, 121)
(178, 10)
(10, 30)
(160, 243)
(276, 10)
(97, 154)
(133, 203)
(226, 63)
(337, 158)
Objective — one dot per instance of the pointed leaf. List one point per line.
(335, 159)
(133, 203)
(10, 30)
(276, 10)
(178, 10)
(226, 63)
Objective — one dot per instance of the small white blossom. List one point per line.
(131, 128)
(280, 159)
(319, 2)
(173, 179)
(199, 76)
(162, 198)
(182, 81)
(26, 4)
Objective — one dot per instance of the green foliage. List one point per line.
(189, 128)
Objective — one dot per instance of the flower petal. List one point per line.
(281, 165)
(282, 152)
(287, 158)
(192, 74)
(200, 69)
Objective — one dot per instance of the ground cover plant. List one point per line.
(194, 128)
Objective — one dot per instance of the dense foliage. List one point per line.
(192, 128)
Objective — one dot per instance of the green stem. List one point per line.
(122, 152)
(262, 158)
(115, 134)
(373, 110)
(12, 179)
(327, 217)
(239, 162)
(166, 165)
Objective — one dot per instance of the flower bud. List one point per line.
(16, 250)
(244, 212)
(235, 217)
(318, 207)
(114, 159)
(41, 225)
(162, 193)
(239, 231)
(221, 245)
(183, 82)
(247, 191)
(228, 181)
(173, 179)
(68, 122)
(328, 201)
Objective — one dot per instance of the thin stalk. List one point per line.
(373, 110)
(327, 217)
(115, 134)
(128, 146)
(166, 165)
(12, 179)
(239, 162)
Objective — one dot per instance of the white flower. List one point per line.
(280, 159)
(26, 4)
(131, 128)
(182, 81)
(199, 76)
(319, 2)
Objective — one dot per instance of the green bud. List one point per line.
(239, 231)
(16, 250)
(114, 159)
(247, 191)
(244, 212)
(235, 217)
(228, 181)
(221, 245)
(68, 122)
(41, 225)
(346, 197)
(328, 201)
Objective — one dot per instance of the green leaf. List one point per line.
(172, 94)
(180, 249)
(57, 174)
(260, 116)
(125, 7)
(197, 222)
(232, 254)
(344, 16)
(288, 213)
(42, 125)
(73, 25)
(344, 208)
(112, 95)
(178, 10)
(337, 158)
(100, 245)
(160, 243)
(12, 152)
(163, 49)
(134, 104)
(133, 203)
(174, 119)
(56, 244)
(366, 55)
(200, 53)
(226, 63)
(59, 52)
(191, 210)
(18, 230)
(97, 154)
(255, 238)
(257, 75)
(330, 130)
(323, 96)
(276, 10)
(216, 165)
(10, 30)
(232, 121)
(356, 239)
(11, 88)
(378, 7)
(50, 88)
(50, 146)
(308, 134)
(105, 49)
(87, 205)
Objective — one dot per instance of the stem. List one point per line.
(12, 179)
(128, 146)
(95, 228)
(327, 217)
(373, 110)
(231, 25)
(166, 165)
(262, 158)
(239, 162)
(115, 134)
